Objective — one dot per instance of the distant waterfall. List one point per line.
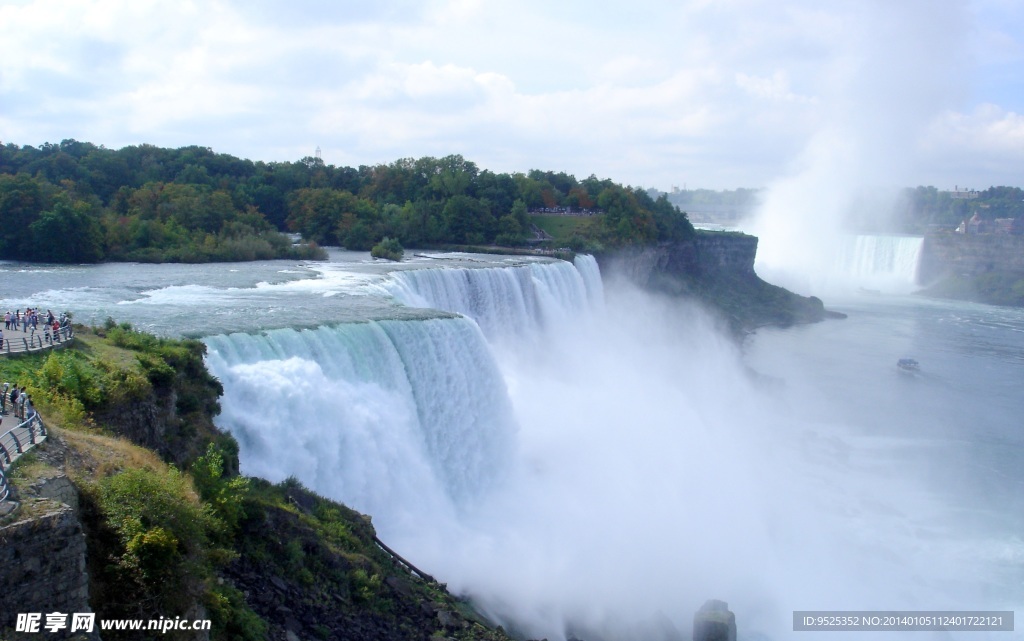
(504, 301)
(880, 260)
(413, 414)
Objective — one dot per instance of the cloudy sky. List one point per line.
(701, 93)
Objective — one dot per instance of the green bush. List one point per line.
(388, 248)
(164, 535)
(231, 617)
(225, 494)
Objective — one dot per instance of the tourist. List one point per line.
(14, 399)
(1, 339)
(7, 320)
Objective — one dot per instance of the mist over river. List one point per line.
(582, 458)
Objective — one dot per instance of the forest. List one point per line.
(79, 202)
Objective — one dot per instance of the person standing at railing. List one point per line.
(1, 339)
(3, 398)
(14, 399)
(7, 320)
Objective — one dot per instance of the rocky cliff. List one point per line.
(718, 269)
(945, 254)
(985, 268)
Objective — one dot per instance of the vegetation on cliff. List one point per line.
(177, 532)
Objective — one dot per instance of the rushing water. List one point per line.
(581, 458)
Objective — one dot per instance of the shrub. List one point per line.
(164, 535)
(388, 248)
(224, 493)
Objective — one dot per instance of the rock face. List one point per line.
(660, 267)
(43, 561)
(718, 269)
(714, 622)
(983, 268)
(950, 254)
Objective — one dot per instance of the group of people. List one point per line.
(29, 322)
(18, 400)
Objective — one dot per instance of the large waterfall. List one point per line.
(837, 263)
(345, 408)
(880, 260)
(601, 469)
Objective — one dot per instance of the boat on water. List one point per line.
(908, 365)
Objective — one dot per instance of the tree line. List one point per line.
(922, 207)
(79, 202)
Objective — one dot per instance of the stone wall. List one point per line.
(949, 254)
(42, 557)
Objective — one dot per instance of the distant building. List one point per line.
(976, 225)
(961, 194)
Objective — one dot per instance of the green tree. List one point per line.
(68, 233)
(22, 199)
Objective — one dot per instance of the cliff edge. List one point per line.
(716, 268)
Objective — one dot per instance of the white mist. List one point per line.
(649, 469)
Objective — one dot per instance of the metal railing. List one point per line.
(40, 339)
(15, 442)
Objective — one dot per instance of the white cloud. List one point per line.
(988, 130)
(774, 87)
(714, 93)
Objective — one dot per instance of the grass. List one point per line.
(562, 228)
(93, 345)
(27, 468)
(96, 456)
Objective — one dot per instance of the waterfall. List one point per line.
(396, 418)
(504, 301)
(875, 259)
(840, 263)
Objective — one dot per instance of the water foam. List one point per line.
(378, 414)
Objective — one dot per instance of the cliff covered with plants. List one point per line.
(172, 529)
